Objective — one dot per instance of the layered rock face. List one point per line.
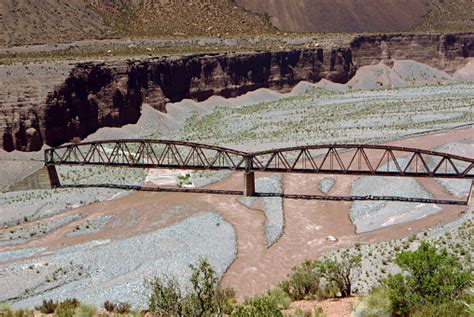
(93, 96)
(445, 52)
(97, 95)
(100, 95)
(23, 92)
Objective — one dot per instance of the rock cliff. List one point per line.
(100, 95)
(445, 52)
(97, 95)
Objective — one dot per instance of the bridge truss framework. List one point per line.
(339, 159)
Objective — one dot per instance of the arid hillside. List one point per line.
(179, 17)
(55, 21)
(48, 21)
(366, 15)
(25, 22)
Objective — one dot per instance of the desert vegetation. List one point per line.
(323, 116)
(325, 278)
(372, 115)
(432, 282)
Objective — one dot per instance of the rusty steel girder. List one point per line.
(342, 159)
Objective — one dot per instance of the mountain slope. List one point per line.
(32, 21)
(180, 17)
(366, 15)
(53, 21)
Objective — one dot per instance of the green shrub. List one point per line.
(7, 311)
(315, 312)
(64, 311)
(166, 297)
(123, 308)
(203, 299)
(85, 311)
(303, 281)
(469, 308)
(205, 285)
(340, 275)
(375, 304)
(225, 301)
(259, 306)
(47, 307)
(433, 280)
(109, 306)
(280, 297)
(449, 309)
(67, 308)
(23, 313)
(184, 180)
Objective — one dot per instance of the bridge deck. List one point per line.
(260, 194)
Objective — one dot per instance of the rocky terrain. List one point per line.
(97, 94)
(44, 230)
(27, 22)
(31, 22)
(180, 18)
(366, 15)
(254, 241)
(224, 72)
(444, 52)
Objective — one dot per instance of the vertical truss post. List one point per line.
(53, 176)
(249, 178)
(470, 199)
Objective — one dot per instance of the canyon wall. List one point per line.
(97, 95)
(445, 52)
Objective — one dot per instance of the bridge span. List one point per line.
(337, 159)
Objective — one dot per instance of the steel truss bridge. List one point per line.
(338, 159)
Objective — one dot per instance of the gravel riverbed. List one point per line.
(371, 215)
(116, 269)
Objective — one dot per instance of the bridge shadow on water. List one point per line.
(258, 194)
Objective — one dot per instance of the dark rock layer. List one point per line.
(445, 52)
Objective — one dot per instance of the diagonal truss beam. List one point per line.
(349, 159)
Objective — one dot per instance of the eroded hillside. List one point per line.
(48, 21)
(179, 17)
(25, 22)
(366, 15)
(55, 21)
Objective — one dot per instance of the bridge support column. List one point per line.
(470, 199)
(53, 176)
(249, 184)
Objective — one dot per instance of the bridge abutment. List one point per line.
(53, 176)
(249, 184)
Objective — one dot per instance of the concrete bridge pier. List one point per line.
(53, 176)
(249, 184)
